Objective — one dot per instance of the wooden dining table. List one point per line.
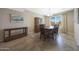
(49, 27)
(49, 31)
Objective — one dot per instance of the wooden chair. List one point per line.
(56, 28)
(51, 34)
(44, 33)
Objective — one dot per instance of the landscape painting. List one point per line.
(16, 18)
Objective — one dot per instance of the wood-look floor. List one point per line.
(64, 42)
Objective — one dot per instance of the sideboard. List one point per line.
(14, 33)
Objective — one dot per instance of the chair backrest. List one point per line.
(42, 26)
(56, 28)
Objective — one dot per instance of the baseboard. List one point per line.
(30, 32)
(70, 33)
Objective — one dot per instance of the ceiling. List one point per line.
(44, 11)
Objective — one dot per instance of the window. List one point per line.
(56, 19)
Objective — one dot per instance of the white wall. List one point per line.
(76, 26)
(68, 18)
(5, 19)
(29, 17)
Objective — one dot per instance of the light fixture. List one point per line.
(50, 12)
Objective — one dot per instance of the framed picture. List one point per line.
(16, 18)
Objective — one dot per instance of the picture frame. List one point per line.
(16, 18)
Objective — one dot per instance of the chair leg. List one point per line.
(40, 36)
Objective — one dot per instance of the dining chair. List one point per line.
(56, 28)
(43, 32)
(51, 34)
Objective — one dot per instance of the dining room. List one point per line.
(40, 31)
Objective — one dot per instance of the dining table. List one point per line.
(49, 31)
(49, 27)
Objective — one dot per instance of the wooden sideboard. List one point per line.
(14, 33)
